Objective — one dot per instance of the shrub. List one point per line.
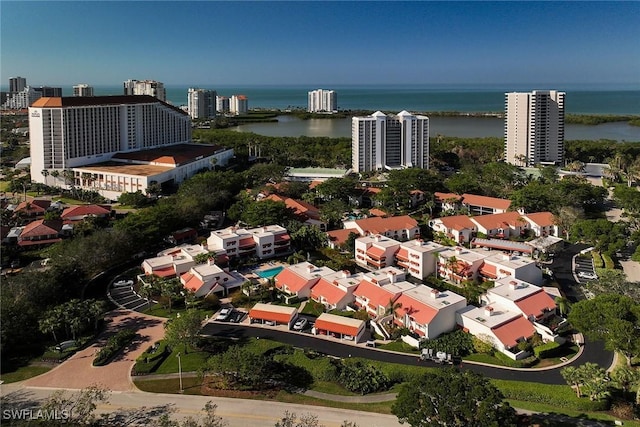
(211, 302)
(361, 377)
(546, 350)
(458, 343)
(151, 359)
(113, 346)
(597, 259)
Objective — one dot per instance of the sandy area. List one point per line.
(632, 270)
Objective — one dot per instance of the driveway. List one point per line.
(78, 372)
(126, 298)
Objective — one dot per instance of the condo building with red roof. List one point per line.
(335, 291)
(379, 289)
(339, 327)
(375, 251)
(262, 242)
(396, 227)
(298, 279)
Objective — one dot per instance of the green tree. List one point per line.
(362, 377)
(613, 318)
(308, 238)
(625, 377)
(573, 377)
(170, 289)
(332, 212)
(563, 305)
(266, 212)
(183, 329)
(452, 398)
(240, 367)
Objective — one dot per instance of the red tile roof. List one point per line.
(403, 254)
(331, 293)
(293, 282)
(489, 270)
(508, 333)
(375, 225)
(165, 271)
(270, 315)
(375, 252)
(443, 197)
(457, 222)
(85, 101)
(335, 327)
(82, 210)
(300, 207)
(543, 219)
(536, 304)
(191, 282)
(36, 206)
(484, 201)
(378, 212)
(421, 313)
(500, 220)
(339, 237)
(377, 296)
(41, 227)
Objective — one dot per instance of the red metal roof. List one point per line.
(271, 315)
(82, 210)
(536, 304)
(338, 328)
(509, 333)
(418, 310)
(331, 293)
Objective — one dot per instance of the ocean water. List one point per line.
(580, 99)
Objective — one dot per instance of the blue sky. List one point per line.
(334, 43)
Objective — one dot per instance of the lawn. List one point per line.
(4, 185)
(191, 361)
(313, 308)
(550, 409)
(23, 373)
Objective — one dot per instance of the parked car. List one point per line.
(224, 314)
(300, 324)
(123, 283)
(585, 275)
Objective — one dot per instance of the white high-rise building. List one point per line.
(22, 99)
(222, 104)
(534, 127)
(238, 104)
(17, 84)
(82, 90)
(201, 103)
(70, 132)
(380, 142)
(322, 101)
(145, 87)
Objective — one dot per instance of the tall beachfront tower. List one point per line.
(201, 103)
(380, 142)
(322, 101)
(238, 104)
(82, 90)
(534, 127)
(145, 87)
(17, 84)
(70, 132)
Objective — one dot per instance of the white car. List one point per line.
(123, 283)
(224, 314)
(300, 324)
(589, 276)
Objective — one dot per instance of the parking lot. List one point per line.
(584, 271)
(121, 292)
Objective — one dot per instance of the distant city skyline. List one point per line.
(211, 44)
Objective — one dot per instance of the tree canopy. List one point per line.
(452, 398)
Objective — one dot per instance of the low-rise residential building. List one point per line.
(379, 289)
(501, 265)
(375, 251)
(42, 232)
(32, 208)
(427, 311)
(80, 212)
(502, 245)
(173, 262)
(501, 225)
(459, 264)
(522, 297)
(305, 212)
(460, 228)
(335, 291)
(298, 279)
(396, 227)
(418, 258)
(273, 314)
(498, 326)
(483, 205)
(338, 238)
(205, 279)
(542, 224)
(447, 202)
(339, 327)
(263, 242)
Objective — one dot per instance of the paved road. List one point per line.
(137, 408)
(594, 352)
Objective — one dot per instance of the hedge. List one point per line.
(546, 350)
(597, 259)
(153, 357)
(113, 346)
(608, 262)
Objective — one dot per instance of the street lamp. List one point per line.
(180, 371)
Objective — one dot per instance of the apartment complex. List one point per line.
(534, 127)
(17, 84)
(380, 142)
(262, 242)
(82, 90)
(222, 104)
(145, 87)
(201, 103)
(322, 101)
(27, 95)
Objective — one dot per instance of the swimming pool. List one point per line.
(269, 272)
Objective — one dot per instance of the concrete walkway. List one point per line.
(369, 398)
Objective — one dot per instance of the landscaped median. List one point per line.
(114, 345)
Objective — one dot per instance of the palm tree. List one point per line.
(563, 305)
(45, 173)
(96, 310)
(572, 376)
(49, 324)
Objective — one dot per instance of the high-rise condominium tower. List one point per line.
(534, 127)
(201, 103)
(82, 90)
(17, 84)
(238, 104)
(322, 100)
(145, 87)
(381, 142)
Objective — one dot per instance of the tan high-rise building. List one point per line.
(82, 90)
(534, 127)
(145, 87)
